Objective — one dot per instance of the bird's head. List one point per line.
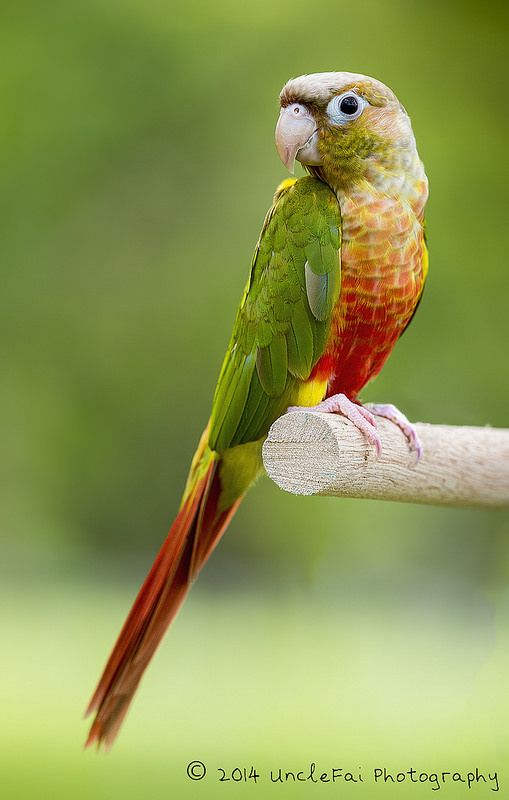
(346, 128)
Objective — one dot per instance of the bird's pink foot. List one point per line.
(392, 413)
(361, 417)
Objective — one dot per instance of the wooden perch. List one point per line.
(313, 453)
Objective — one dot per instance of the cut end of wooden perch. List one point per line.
(314, 453)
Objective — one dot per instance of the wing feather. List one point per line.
(284, 317)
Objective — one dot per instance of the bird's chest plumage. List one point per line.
(383, 257)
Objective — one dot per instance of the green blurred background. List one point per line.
(137, 163)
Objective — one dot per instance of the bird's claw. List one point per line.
(364, 419)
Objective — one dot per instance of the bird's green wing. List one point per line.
(283, 320)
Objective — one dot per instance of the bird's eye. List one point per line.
(349, 105)
(345, 107)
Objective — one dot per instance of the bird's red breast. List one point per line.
(384, 265)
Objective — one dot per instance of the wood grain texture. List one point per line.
(314, 453)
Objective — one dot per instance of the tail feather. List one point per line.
(192, 537)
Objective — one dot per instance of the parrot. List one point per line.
(337, 274)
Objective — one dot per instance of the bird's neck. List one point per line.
(401, 177)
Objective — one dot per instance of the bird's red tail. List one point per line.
(195, 531)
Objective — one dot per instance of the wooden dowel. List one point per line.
(314, 453)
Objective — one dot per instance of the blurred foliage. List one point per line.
(137, 163)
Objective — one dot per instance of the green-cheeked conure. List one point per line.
(336, 276)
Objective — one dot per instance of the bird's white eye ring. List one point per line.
(345, 107)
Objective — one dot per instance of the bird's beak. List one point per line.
(296, 131)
